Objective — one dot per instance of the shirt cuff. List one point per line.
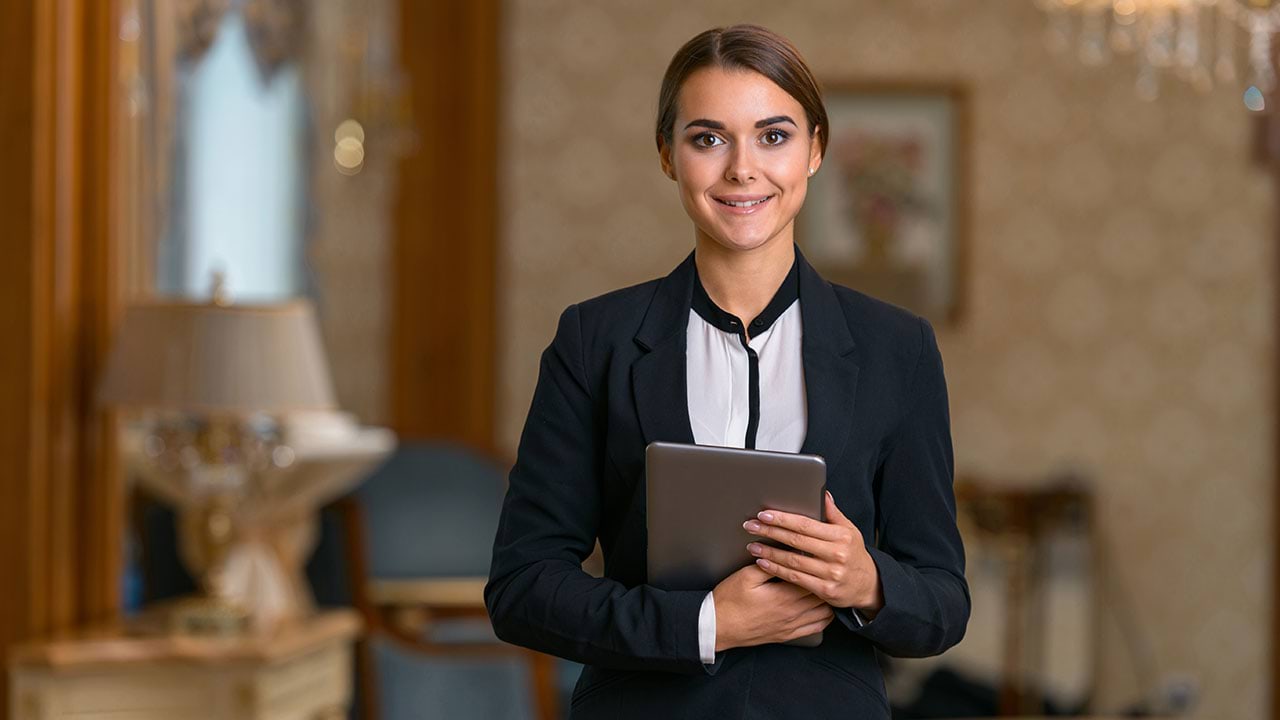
(858, 616)
(707, 630)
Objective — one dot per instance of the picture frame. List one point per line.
(887, 212)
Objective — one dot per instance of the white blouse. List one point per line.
(723, 384)
(745, 393)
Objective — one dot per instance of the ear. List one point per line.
(664, 157)
(815, 151)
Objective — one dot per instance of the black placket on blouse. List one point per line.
(725, 321)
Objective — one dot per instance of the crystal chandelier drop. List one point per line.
(1196, 40)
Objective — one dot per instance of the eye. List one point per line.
(774, 137)
(707, 140)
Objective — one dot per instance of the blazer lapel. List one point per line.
(830, 366)
(659, 377)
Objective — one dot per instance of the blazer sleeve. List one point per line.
(538, 595)
(918, 550)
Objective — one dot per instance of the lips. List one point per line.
(742, 204)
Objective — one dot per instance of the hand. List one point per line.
(840, 571)
(751, 610)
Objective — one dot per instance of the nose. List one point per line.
(741, 168)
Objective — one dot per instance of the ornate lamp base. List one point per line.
(245, 534)
(208, 617)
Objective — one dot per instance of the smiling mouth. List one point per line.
(744, 203)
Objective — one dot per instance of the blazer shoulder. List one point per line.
(895, 343)
(616, 309)
(882, 323)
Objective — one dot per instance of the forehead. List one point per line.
(733, 95)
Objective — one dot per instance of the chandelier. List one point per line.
(1194, 40)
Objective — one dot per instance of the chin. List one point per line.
(747, 243)
(742, 236)
(741, 243)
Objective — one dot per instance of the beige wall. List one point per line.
(1119, 294)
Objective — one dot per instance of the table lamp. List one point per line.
(218, 384)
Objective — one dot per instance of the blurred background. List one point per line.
(277, 275)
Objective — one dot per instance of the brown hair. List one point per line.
(743, 47)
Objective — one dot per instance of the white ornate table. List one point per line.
(300, 671)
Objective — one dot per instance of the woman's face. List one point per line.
(740, 155)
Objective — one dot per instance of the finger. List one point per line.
(813, 612)
(787, 594)
(819, 613)
(810, 602)
(801, 542)
(800, 524)
(815, 585)
(804, 563)
(811, 628)
(834, 516)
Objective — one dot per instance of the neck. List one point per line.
(743, 281)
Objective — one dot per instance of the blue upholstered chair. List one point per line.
(421, 531)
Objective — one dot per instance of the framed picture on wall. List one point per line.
(886, 213)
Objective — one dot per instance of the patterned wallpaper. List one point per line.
(1119, 289)
(351, 219)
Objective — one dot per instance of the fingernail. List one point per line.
(766, 516)
(754, 548)
(829, 496)
(751, 525)
(763, 563)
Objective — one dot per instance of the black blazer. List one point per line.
(612, 381)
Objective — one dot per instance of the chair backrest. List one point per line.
(432, 511)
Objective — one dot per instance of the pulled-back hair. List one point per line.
(743, 47)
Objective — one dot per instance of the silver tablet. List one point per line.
(698, 496)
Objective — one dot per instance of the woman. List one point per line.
(818, 369)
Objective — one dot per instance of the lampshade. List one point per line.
(205, 357)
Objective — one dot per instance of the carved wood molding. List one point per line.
(444, 309)
(61, 505)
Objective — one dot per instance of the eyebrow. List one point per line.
(717, 125)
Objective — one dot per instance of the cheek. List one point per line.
(798, 194)
(795, 188)
(790, 168)
(696, 169)
(785, 167)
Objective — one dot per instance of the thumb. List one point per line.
(834, 515)
(754, 576)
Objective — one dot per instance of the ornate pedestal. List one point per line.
(299, 671)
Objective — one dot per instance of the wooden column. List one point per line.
(1266, 153)
(443, 334)
(61, 505)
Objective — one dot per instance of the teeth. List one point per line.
(748, 203)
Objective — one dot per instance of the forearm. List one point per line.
(554, 607)
(538, 596)
(924, 612)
